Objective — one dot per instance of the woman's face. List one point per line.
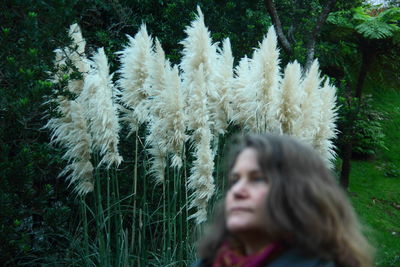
(245, 205)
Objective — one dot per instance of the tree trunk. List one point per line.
(314, 33)
(367, 58)
(284, 42)
(270, 5)
(346, 164)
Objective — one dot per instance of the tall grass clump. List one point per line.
(134, 72)
(149, 209)
(265, 78)
(305, 128)
(70, 128)
(87, 127)
(206, 119)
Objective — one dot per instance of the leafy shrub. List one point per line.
(391, 170)
(361, 123)
(368, 132)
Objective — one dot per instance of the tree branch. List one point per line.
(270, 5)
(314, 33)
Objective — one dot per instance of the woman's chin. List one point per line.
(238, 225)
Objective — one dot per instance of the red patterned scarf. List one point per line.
(229, 256)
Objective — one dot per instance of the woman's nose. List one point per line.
(240, 189)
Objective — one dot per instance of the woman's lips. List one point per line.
(239, 209)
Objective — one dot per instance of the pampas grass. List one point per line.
(201, 180)
(291, 95)
(307, 126)
(244, 96)
(199, 58)
(156, 138)
(223, 83)
(134, 71)
(101, 111)
(323, 141)
(198, 117)
(70, 131)
(174, 116)
(167, 124)
(185, 110)
(78, 142)
(198, 49)
(156, 66)
(266, 77)
(72, 58)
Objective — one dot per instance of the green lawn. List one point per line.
(375, 185)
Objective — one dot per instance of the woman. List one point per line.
(283, 208)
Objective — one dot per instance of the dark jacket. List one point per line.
(292, 257)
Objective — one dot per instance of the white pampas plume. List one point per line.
(266, 77)
(175, 118)
(78, 140)
(74, 55)
(78, 143)
(76, 34)
(244, 96)
(135, 60)
(306, 127)
(156, 67)
(198, 53)
(80, 174)
(198, 66)
(323, 140)
(201, 180)
(61, 127)
(167, 123)
(198, 117)
(157, 138)
(292, 94)
(223, 84)
(158, 160)
(101, 111)
(198, 49)
(70, 131)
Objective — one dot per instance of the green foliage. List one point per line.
(375, 194)
(28, 165)
(369, 136)
(341, 18)
(371, 23)
(360, 124)
(391, 170)
(375, 29)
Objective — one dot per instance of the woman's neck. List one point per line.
(253, 243)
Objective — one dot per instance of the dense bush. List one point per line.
(360, 124)
(369, 136)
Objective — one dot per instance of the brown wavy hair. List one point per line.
(306, 208)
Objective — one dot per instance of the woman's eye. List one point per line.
(259, 179)
(232, 181)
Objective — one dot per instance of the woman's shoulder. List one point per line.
(294, 257)
(199, 263)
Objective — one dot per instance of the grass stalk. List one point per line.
(164, 218)
(108, 218)
(134, 194)
(85, 230)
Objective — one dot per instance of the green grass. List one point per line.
(375, 185)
